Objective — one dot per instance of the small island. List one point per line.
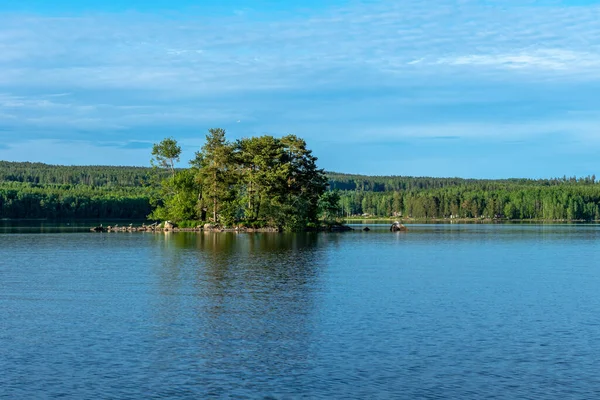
(252, 184)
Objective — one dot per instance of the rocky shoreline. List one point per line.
(171, 227)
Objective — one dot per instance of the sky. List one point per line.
(480, 89)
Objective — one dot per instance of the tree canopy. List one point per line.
(259, 181)
(166, 154)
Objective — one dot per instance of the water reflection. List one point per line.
(248, 299)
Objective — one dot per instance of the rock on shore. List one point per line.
(398, 227)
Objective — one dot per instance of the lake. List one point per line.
(441, 312)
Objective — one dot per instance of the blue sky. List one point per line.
(439, 88)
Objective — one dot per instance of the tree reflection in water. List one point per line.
(249, 300)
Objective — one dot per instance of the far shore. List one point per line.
(350, 220)
(390, 220)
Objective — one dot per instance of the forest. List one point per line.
(35, 190)
(557, 199)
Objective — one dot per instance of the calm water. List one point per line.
(443, 312)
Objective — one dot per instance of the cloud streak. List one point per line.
(200, 56)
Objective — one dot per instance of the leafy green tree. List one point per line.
(179, 198)
(305, 183)
(329, 206)
(166, 154)
(261, 173)
(217, 174)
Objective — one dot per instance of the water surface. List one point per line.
(441, 312)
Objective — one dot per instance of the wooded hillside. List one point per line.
(36, 190)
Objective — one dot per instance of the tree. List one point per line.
(217, 174)
(260, 161)
(329, 205)
(166, 154)
(179, 198)
(305, 183)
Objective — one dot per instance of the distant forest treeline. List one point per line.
(35, 190)
(566, 198)
(99, 176)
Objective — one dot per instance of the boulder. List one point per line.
(398, 227)
(366, 229)
(169, 226)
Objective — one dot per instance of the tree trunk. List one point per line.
(215, 197)
(250, 194)
(215, 209)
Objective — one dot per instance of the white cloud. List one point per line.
(206, 55)
(47, 112)
(537, 60)
(578, 129)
